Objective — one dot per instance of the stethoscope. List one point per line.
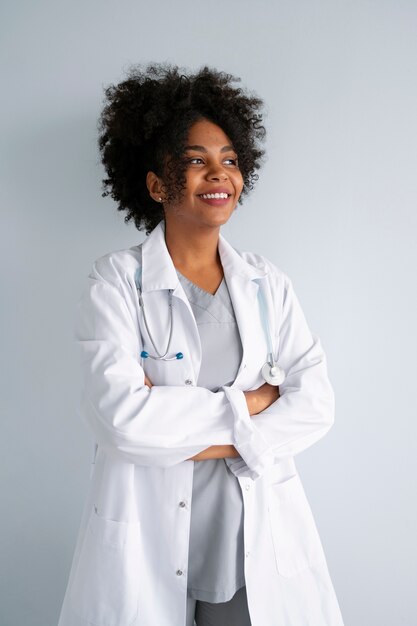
(271, 372)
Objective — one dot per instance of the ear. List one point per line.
(155, 187)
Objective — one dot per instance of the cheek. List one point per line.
(191, 178)
(239, 183)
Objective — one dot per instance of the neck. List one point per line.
(193, 250)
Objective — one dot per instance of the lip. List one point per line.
(215, 202)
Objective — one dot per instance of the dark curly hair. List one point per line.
(146, 118)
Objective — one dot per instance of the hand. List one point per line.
(260, 399)
(148, 382)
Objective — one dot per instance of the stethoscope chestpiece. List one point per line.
(273, 374)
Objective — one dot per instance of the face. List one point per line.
(213, 181)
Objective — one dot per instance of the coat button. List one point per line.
(188, 382)
(179, 572)
(247, 554)
(247, 487)
(182, 504)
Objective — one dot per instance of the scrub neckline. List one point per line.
(199, 288)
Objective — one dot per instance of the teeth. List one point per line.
(214, 196)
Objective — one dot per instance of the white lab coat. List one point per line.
(130, 562)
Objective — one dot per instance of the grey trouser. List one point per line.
(232, 613)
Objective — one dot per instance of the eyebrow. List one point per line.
(203, 149)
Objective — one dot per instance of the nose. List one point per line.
(217, 172)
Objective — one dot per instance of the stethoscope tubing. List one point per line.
(265, 324)
(160, 357)
(271, 372)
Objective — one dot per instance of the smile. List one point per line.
(215, 196)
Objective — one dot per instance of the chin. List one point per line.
(218, 219)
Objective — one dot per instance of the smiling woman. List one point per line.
(195, 512)
(145, 127)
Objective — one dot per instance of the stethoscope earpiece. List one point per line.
(146, 355)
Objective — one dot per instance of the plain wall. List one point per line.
(335, 208)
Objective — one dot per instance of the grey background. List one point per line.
(335, 208)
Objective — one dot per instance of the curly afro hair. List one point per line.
(146, 118)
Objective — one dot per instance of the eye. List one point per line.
(232, 161)
(195, 160)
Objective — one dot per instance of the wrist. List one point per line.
(251, 401)
(216, 452)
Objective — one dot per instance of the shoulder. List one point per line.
(276, 275)
(117, 267)
(281, 285)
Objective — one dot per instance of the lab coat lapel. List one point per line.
(158, 275)
(243, 280)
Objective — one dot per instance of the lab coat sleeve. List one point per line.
(303, 413)
(160, 426)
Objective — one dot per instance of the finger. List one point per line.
(148, 382)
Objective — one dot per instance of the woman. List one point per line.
(195, 509)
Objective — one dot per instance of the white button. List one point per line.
(179, 572)
(247, 487)
(247, 554)
(182, 504)
(188, 382)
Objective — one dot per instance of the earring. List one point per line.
(159, 199)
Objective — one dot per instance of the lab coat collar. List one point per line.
(158, 270)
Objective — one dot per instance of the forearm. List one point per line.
(257, 400)
(216, 452)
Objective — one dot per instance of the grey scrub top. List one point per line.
(215, 565)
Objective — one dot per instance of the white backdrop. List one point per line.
(335, 208)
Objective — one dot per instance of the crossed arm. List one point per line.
(257, 400)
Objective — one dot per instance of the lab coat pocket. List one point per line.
(295, 537)
(105, 588)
